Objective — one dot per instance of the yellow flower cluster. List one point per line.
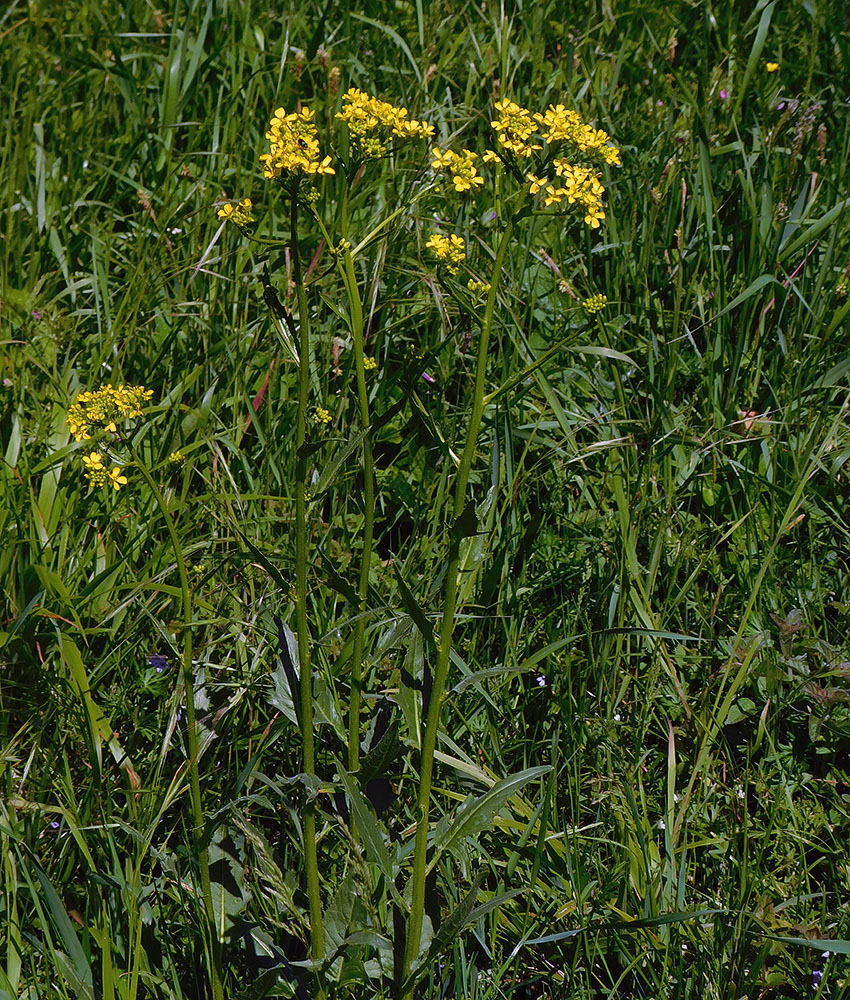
(372, 123)
(294, 146)
(595, 304)
(460, 165)
(580, 184)
(101, 408)
(478, 287)
(448, 249)
(514, 127)
(558, 124)
(98, 475)
(322, 416)
(369, 364)
(240, 213)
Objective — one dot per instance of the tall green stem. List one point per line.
(193, 737)
(308, 747)
(355, 309)
(432, 722)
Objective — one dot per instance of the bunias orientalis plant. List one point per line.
(539, 163)
(102, 417)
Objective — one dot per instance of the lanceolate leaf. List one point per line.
(477, 815)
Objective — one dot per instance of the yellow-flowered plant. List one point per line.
(543, 138)
(514, 127)
(461, 167)
(560, 158)
(449, 250)
(373, 123)
(294, 146)
(101, 409)
(239, 214)
(99, 412)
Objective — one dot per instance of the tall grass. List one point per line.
(650, 598)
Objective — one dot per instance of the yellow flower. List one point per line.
(461, 167)
(240, 214)
(514, 127)
(450, 250)
(372, 123)
(322, 416)
(293, 146)
(369, 363)
(116, 479)
(535, 183)
(772, 67)
(101, 408)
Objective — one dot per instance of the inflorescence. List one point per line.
(449, 250)
(99, 411)
(294, 146)
(520, 136)
(240, 213)
(373, 123)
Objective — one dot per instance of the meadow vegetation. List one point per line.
(423, 539)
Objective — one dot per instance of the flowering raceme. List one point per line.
(461, 167)
(372, 123)
(449, 250)
(520, 135)
(98, 412)
(101, 408)
(294, 146)
(240, 213)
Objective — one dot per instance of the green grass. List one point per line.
(652, 603)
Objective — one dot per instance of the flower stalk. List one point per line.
(308, 746)
(432, 723)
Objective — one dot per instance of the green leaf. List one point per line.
(78, 961)
(448, 931)
(367, 824)
(229, 895)
(337, 916)
(382, 756)
(260, 987)
(477, 815)
(836, 945)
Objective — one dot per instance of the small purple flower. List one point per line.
(36, 314)
(54, 824)
(817, 975)
(158, 661)
(428, 378)
(541, 681)
(724, 94)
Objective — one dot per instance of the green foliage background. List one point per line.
(659, 611)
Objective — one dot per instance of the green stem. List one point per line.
(356, 674)
(193, 736)
(429, 739)
(308, 747)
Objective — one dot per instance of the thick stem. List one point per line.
(432, 722)
(193, 737)
(308, 748)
